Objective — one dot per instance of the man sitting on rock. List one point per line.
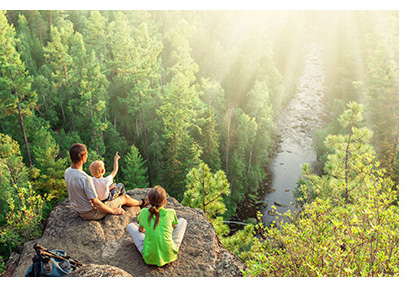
(81, 190)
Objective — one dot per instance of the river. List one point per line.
(295, 125)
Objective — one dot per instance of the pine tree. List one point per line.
(95, 36)
(242, 134)
(260, 108)
(351, 153)
(91, 86)
(147, 65)
(206, 190)
(134, 173)
(25, 44)
(46, 158)
(210, 140)
(57, 55)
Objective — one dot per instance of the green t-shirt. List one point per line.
(158, 247)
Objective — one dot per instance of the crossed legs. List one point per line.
(139, 237)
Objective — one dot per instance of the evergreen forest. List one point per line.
(189, 100)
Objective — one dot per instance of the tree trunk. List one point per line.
(72, 115)
(23, 130)
(51, 18)
(137, 127)
(204, 191)
(251, 154)
(63, 114)
(46, 107)
(229, 120)
(41, 34)
(126, 116)
(93, 128)
(69, 98)
(346, 165)
(395, 146)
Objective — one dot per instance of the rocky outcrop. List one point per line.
(105, 247)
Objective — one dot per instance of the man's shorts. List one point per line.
(96, 214)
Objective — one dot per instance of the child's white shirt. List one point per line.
(102, 186)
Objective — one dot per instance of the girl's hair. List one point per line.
(157, 197)
(96, 168)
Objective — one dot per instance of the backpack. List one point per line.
(50, 263)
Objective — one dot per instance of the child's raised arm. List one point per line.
(115, 169)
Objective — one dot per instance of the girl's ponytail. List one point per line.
(153, 210)
(157, 198)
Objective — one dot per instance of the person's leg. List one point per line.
(129, 201)
(121, 188)
(179, 231)
(94, 214)
(117, 191)
(137, 237)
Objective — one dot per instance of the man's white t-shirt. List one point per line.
(80, 189)
(102, 186)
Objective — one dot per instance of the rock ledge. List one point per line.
(106, 248)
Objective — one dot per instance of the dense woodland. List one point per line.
(189, 100)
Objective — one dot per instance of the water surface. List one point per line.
(295, 125)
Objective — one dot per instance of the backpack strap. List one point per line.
(44, 253)
(35, 267)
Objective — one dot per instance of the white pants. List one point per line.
(139, 237)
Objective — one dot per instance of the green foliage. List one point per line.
(205, 190)
(21, 207)
(181, 105)
(134, 172)
(12, 164)
(367, 71)
(209, 140)
(346, 165)
(2, 265)
(240, 148)
(221, 229)
(14, 78)
(349, 224)
(60, 60)
(92, 104)
(382, 100)
(241, 242)
(22, 219)
(51, 182)
(359, 239)
(16, 96)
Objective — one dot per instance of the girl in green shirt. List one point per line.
(159, 233)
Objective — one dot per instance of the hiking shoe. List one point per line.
(145, 202)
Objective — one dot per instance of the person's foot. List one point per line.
(144, 202)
